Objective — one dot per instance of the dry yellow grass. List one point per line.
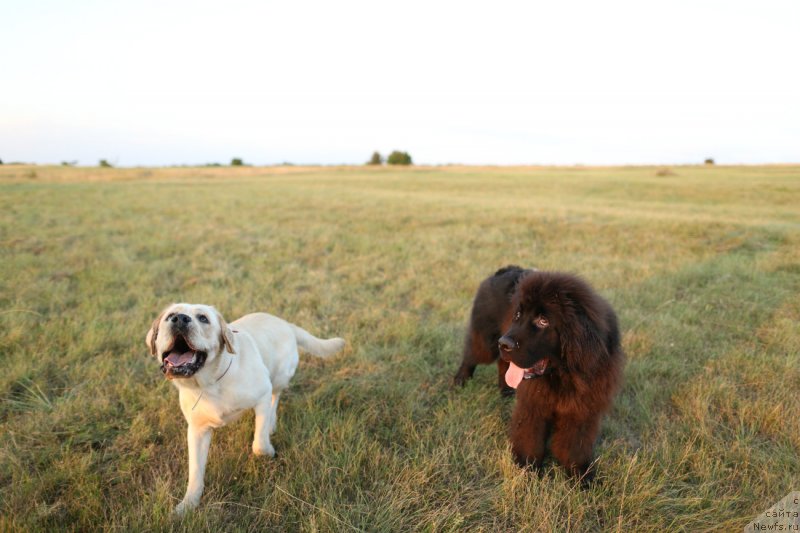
(701, 265)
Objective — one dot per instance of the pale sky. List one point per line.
(501, 82)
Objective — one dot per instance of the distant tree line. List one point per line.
(235, 162)
(395, 158)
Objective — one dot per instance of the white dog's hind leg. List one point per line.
(276, 396)
(199, 441)
(264, 423)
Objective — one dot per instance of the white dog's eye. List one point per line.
(203, 319)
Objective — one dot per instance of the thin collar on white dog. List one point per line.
(219, 378)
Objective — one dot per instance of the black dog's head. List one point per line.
(557, 322)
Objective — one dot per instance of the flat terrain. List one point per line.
(702, 265)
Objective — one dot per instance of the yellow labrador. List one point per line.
(222, 370)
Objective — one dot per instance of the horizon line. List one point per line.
(385, 165)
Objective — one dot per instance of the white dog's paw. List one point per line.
(184, 507)
(263, 449)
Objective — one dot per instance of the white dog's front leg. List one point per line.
(199, 442)
(261, 443)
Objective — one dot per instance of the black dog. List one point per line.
(560, 348)
(490, 307)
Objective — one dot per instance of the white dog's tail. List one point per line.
(315, 346)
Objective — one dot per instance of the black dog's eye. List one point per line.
(541, 322)
(517, 316)
(203, 319)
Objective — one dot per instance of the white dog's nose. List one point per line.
(181, 319)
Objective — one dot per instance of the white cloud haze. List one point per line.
(155, 83)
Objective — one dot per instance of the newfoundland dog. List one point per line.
(558, 343)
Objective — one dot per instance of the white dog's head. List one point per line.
(185, 336)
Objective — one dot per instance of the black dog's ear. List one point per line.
(582, 345)
(152, 334)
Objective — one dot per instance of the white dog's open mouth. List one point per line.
(181, 360)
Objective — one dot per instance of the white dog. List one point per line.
(221, 370)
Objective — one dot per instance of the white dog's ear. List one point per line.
(152, 335)
(225, 334)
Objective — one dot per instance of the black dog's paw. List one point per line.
(463, 375)
(588, 479)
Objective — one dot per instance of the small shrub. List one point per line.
(376, 159)
(69, 163)
(709, 161)
(105, 164)
(665, 171)
(237, 162)
(399, 158)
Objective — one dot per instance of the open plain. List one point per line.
(702, 264)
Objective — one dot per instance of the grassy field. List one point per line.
(703, 267)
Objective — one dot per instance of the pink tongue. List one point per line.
(514, 375)
(179, 359)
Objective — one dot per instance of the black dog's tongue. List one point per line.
(180, 359)
(515, 374)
